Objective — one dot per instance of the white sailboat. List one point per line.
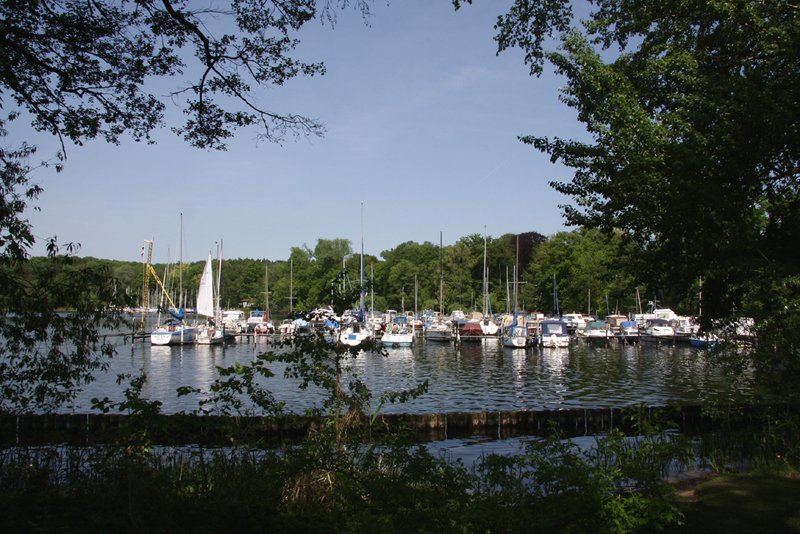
(208, 333)
(357, 332)
(174, 331)
(488, 326)
(439, 329)
(515, 335)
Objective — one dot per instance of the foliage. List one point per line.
(613, 487)
(590, 269)
(52, 311)
(694, 151)
(81, 69)
(692, 118)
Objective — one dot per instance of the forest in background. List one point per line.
(593, 273)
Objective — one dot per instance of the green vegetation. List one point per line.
(316, 488)
(586, 263)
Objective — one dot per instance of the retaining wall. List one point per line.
(183, 429)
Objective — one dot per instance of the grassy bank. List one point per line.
(752, 503)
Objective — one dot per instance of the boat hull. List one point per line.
(179, 336)
(397, 340)
(515, 342)
(554, 342)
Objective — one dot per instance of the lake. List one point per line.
(482, 376)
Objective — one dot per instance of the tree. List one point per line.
(693, 119)
(46, 354)
(588, 266)
(694, 128)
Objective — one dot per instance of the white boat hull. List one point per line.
(554, 342)
(179, 336)
(353, 338)
(515, 342)
(392, 340)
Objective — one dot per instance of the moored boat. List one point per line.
(628, 332)
(515, 336)
(398, 334)
(658, 330)
(553, 333)
(173, 332)
(471, 331)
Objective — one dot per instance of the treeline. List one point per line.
(589, 271)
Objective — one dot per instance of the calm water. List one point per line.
(474, 377)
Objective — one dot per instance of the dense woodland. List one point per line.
(591, 271)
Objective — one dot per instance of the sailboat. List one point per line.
(174, 331)
(481, 325)
(265, 326)
(357, 332)
(515, 335)
(208, 333)
(438, 329)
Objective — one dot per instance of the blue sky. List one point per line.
(422, 121)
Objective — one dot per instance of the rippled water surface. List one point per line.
(481, 376)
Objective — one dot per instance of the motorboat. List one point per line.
(233, 320)
(438, 330)
(257, 318)
(553, 333)
(597, 332)
(398, 334)
(684, 328)
(574, 321)
(471, 331)
(628, 332)
(658, 330)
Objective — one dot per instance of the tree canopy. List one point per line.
(694, 120)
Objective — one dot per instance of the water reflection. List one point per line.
(482, 376)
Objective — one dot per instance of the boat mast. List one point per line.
(371, 292)
(147, 255)
(217, 310)
(485, 277)
(516, 283)
(555, 296)
(362, 303)
(180, 265)
(441, 277)
(291, 292)
(416, 289)
(266, 289)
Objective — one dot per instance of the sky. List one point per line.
(422, 122)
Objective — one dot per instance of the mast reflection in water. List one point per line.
(482, 376)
